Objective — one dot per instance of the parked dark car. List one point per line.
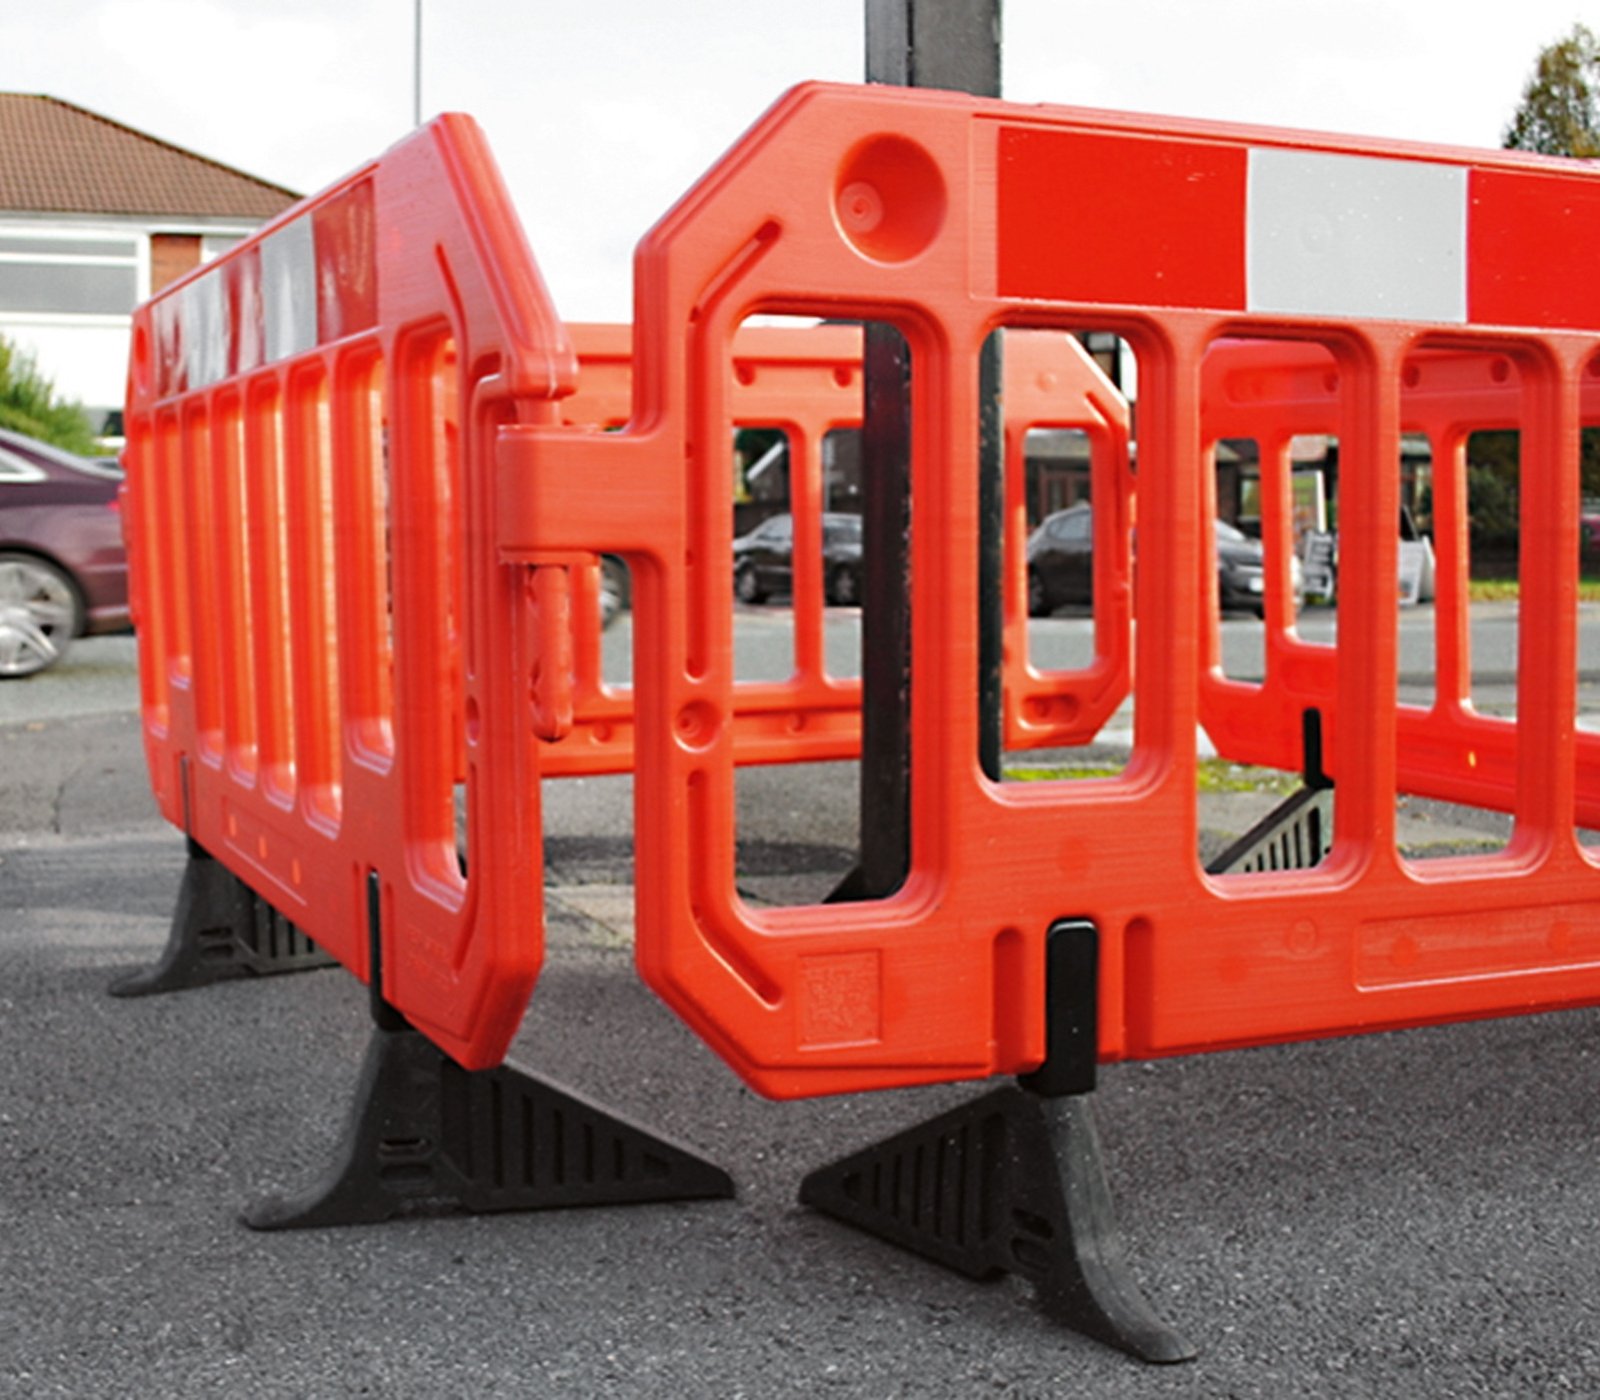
(63, 569)
(1061, 565)
(763, 560)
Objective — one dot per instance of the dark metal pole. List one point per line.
(1046, 1141)
(951, 44)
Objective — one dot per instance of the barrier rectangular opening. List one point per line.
(427, 560)
(1273, 414)
(1066, 551)
(269, 568)
(764, 550)
(1055, 483)
(801, 576)
(362, 547)
(1235, 480)
(1587, 641)
(1493, 488)
(1477, 400)
(1503, 528)
(314, 615)
(614, 584)
(1493, 491)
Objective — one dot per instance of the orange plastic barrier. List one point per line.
(948, 217)
(806, 382)
(1273, 391)
(338, 678)
(335, 663)
(362, 524)
(1046, 389)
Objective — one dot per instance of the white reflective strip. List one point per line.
(1356, 236)
(248, 328)
(289, 290)
(205, 332)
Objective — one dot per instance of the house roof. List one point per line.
(56, 157)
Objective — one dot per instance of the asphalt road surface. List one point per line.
(1406, 1214)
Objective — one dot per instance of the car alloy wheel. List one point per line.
(39, 614)
(746, 587)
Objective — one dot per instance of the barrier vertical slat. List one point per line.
(274, 660)
(312, 621)
(1364, 816)
(140, 506)
(1277, 538)
(238, 679)
(1452, 633)
(1547, 635)
(199, 472)
(173, 515)
(1167, 654)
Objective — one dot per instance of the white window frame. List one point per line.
(126, 247)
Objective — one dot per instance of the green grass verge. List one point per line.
(1214, 775)
(1504, 590)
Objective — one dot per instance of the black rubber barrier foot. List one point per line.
(221, 929)
(427, 1137)
(1009, 1183)
(1297, 834)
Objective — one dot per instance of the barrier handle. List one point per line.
(548, 623)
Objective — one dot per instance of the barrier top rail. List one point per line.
(949, 217)
(334, 661)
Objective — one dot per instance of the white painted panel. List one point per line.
(1356, 236)
(289, 290)
(205, 332)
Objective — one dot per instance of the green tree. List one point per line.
(1559, 114)
(28, 404)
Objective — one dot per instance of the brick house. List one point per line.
(94, 218)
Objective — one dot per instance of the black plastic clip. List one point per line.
(221, 929)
